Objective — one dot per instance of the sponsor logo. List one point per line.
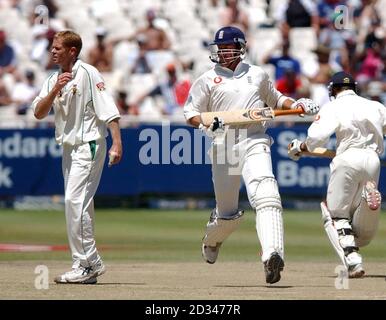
(5, 176)
(20, 146)
(253, 114)
(217, 80)
(258, 114)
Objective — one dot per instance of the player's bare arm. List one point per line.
(44, 106)
(194, 121)
(287, 104)
(115, 151)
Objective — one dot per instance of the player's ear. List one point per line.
(74, 52)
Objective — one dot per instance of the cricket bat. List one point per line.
(247, 116)
(319, 152)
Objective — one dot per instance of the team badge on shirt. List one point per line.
(100, 86)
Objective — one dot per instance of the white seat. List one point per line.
(124, 54)
(256, 17)
(139, 84)
(118, 28)
(262, 42)
(319, 94)
(158, 59)
(9, 117)
(102, 8)
(302, 40)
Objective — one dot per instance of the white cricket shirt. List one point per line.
(357, 123)
(83, 108)
(221, 89)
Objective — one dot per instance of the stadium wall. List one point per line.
(158, 159)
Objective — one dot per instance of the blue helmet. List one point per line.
(228, 35)
(339, 80)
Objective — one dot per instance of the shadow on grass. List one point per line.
(121, 284)
(257, 286)
(102, 284)
(375, 276)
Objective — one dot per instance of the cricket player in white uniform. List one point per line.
(233, 84)
(83, 111)
(351, 210)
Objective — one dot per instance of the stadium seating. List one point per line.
(189, 24)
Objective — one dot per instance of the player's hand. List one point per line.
(115, 154)
(63, 79)
(309, 106)
(215, 129)
(294, 149)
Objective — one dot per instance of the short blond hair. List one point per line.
(70, 39)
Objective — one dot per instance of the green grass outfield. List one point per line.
(171, 236)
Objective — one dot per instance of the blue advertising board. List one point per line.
(157, 159)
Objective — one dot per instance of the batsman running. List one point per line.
(233, 84)
(351, 211)
(83, 110)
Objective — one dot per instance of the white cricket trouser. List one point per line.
(82, 167)
(255, 166)
(349, 173)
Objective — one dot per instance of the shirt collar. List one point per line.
(345, 93)
(228, 72)
(75, 67)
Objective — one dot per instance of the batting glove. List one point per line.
(215, 129)
(294, 149)
(309, 106)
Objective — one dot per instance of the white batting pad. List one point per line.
(365, 223)
(266, 194)
(269, 227)
(218, 229)
(332, 233)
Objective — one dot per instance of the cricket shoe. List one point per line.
(272, 268)
(82, 274)
(62, 279)
(209, 253)
(373, 197)
(356, 271)
(354, 263)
